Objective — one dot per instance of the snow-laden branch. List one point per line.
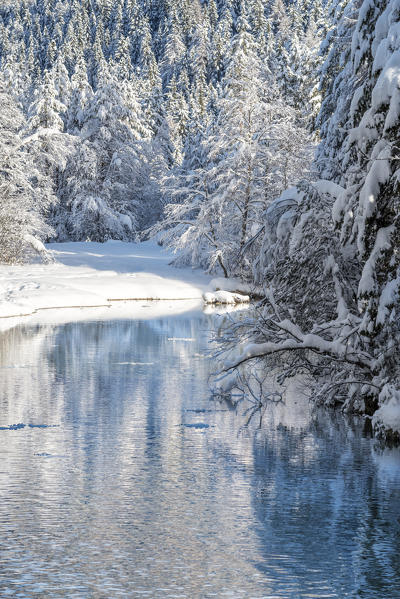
(297, 341)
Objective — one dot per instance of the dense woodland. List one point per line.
(257, 138)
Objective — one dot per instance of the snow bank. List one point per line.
(221, 309)
(229, 292)
(386, 420)
(388, 416)
(225, 297)
(95, 274)
(235, 286)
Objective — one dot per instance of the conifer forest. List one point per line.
(257, 139)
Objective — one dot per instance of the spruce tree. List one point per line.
(23, 208)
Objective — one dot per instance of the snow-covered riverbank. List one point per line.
(97, 274)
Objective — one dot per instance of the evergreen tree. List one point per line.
(368, 210)
(81, 92)
(46, 111)
(337, 87)
(100, 187)
(174, 50)
(22, 207)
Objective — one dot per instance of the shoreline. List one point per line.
(95, 275)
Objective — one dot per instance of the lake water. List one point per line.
(127, 479)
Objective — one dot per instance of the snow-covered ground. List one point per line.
(97, 274)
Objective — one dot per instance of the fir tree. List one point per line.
(22, 207)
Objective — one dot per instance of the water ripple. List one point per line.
(125, 498)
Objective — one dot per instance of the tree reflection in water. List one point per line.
(149, 488)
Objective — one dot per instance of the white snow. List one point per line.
(36, 244)
(231, 284)
(97, 274)
(382, 244)
(299, 341)
(388, 415)
(225, 297)
(289, 198)
(388, 299)
(324, 186)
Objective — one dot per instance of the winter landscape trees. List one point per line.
(329, 259)
(257, 139)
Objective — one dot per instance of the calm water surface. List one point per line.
(128, 480)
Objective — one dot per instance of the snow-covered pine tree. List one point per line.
(44, 138)
(148, 67)
(337, 86)
(22, 207)
(368, 211)
(102, 186)
(174, 50)
(177, 114)
(193, 219)
(81, 92)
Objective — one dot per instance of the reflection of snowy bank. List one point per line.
(128, 310)
(387, 462)
(124, 310)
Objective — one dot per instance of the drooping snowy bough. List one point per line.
(330, 259)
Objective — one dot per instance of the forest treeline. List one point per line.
(258, 139)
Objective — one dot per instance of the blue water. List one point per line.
(121, 477)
